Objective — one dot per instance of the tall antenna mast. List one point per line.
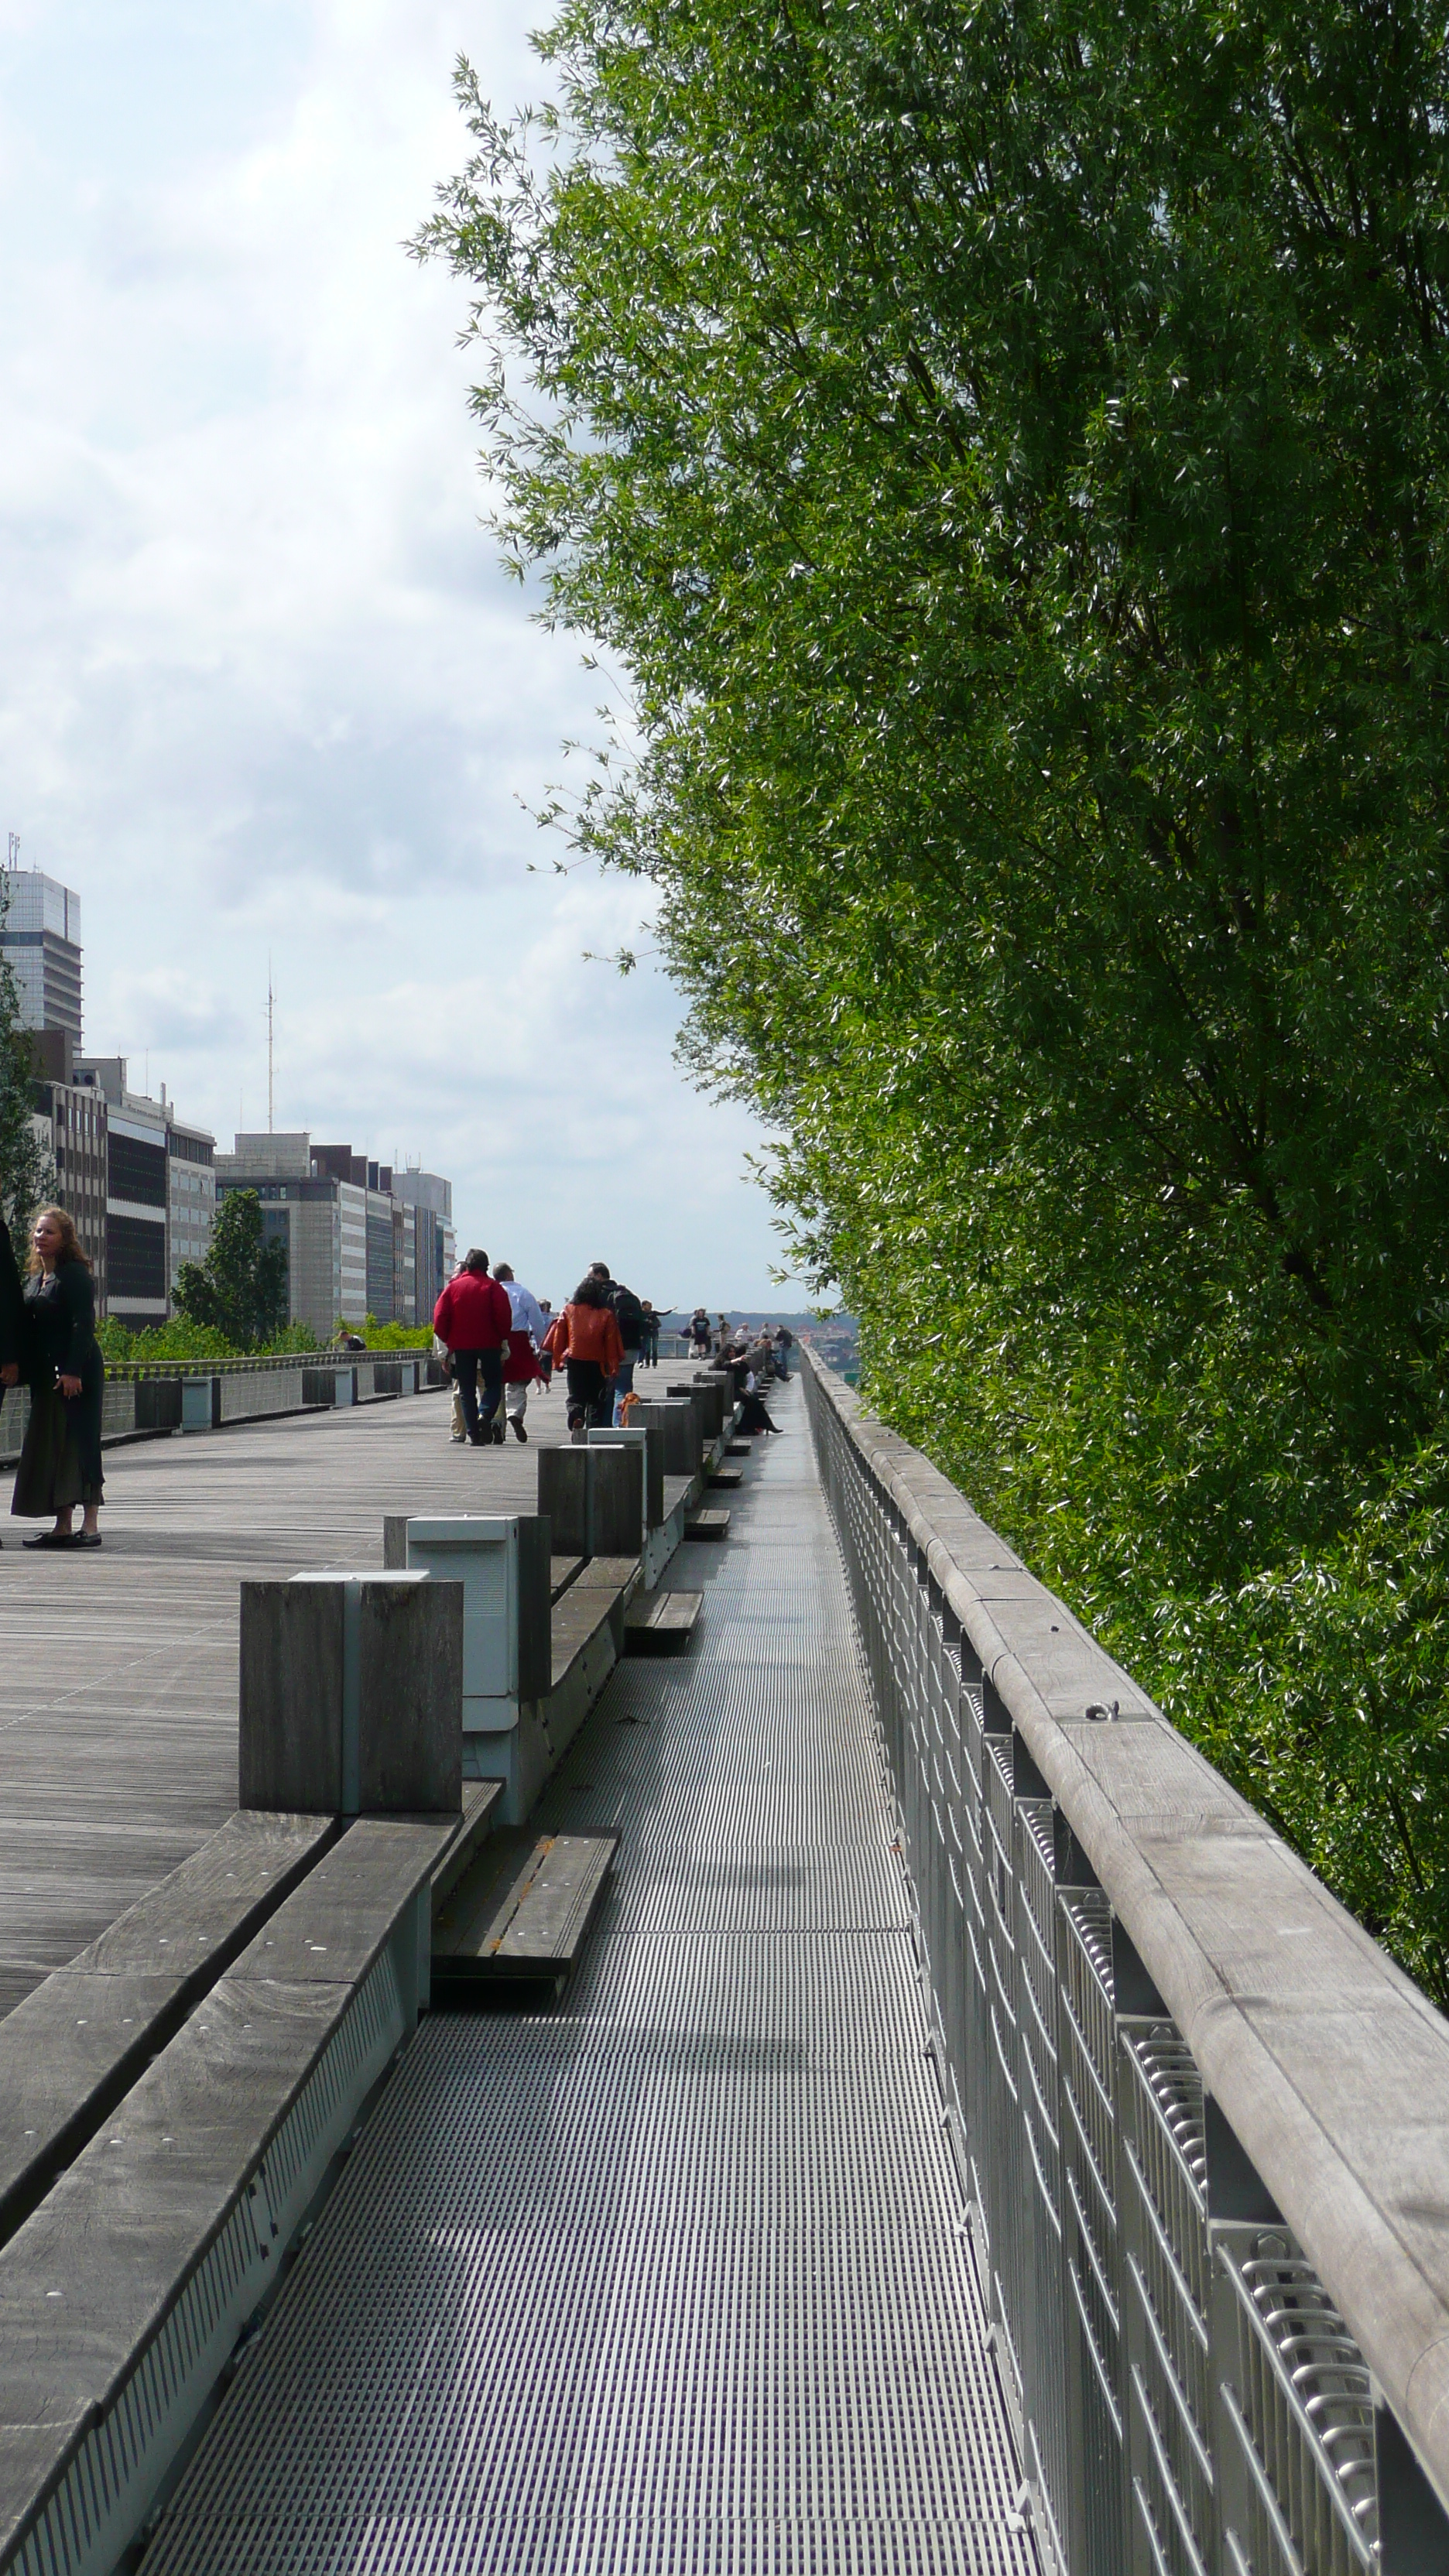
(13, 857)
(269, 1042)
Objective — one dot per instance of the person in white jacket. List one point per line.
(525, 1340)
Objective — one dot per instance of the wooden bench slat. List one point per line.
(184, 2161)
(526, 1908)
(663, 1625)
(79, 2040)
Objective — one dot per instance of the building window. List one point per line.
(135, 1259)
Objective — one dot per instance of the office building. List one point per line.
(428, 1238)
(138, 1268)
(357, 1245)
(191, 1192)
(71, 1122)
(40, 937)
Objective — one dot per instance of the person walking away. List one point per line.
(586, 1343)
(629, 1316)
(474, 1318)
(525, 1340)
(545, 1348)
(784, 1344)
(60, 1461)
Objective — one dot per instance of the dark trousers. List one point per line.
(590, 1400)
(468, 1368)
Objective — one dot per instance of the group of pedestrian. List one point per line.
(727, 1343)
(48, 1341)
(501, 1341)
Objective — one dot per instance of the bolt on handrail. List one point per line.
(1202, 2120)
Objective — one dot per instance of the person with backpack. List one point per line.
(585, 1342)
(628, 1314)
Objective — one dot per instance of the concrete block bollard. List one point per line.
(502, 1562)
(200, 1403)
(679, 1421)
(351, 1695)
(650, 1444)
(708, 1403)
(594, 1498)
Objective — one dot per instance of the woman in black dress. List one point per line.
(60, 1463)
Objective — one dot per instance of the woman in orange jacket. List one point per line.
(586, 1340)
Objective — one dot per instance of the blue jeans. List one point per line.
(622, 1384)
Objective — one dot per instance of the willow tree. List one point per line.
(1006, 452)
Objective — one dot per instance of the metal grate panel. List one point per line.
(1302, 2407)
(673, 2278)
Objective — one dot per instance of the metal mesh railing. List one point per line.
(1186, 2397)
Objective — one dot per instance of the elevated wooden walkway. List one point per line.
(118, 1686)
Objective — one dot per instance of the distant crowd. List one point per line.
(500, 1341)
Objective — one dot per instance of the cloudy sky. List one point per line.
(265, 689)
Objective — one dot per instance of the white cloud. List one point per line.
(264, 688)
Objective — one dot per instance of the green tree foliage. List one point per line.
(1006, 454)
(179, 1339)
(240, 1290)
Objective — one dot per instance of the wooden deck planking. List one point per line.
(118, 1684)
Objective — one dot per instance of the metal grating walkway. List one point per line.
(670, 2281)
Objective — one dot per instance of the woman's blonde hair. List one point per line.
(70, 1249)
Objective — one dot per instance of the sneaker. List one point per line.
(497, 1435)
(518, 1427)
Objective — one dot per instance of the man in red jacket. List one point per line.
(473, 1317)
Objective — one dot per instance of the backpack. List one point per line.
(628, 1315)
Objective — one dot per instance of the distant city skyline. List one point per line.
(263, 688)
